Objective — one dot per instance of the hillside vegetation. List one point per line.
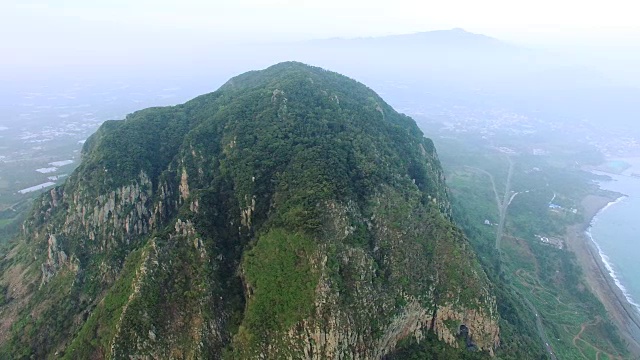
(290, 214)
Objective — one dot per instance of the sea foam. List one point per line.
(605, 259)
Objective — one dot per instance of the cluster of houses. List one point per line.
(555, 242)
(558, 208)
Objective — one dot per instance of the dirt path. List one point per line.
(584, 326)
(524, 276)
(578, 337)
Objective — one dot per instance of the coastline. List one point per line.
(623, 314)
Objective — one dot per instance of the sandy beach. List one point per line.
(598, 279)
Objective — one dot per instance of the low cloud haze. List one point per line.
(537, 57)
(140, 33)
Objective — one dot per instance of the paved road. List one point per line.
(540, 329)
(503, 204)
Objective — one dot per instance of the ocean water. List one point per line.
(616, 233)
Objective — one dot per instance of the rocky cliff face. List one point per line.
(290, 214)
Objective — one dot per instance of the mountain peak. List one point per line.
(292, 213)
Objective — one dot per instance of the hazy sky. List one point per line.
(60, 31)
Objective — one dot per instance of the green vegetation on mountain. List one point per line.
(290, 214)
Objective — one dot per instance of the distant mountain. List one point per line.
(290, 214)
(449, 57)
(439, 39)
(480, 68)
